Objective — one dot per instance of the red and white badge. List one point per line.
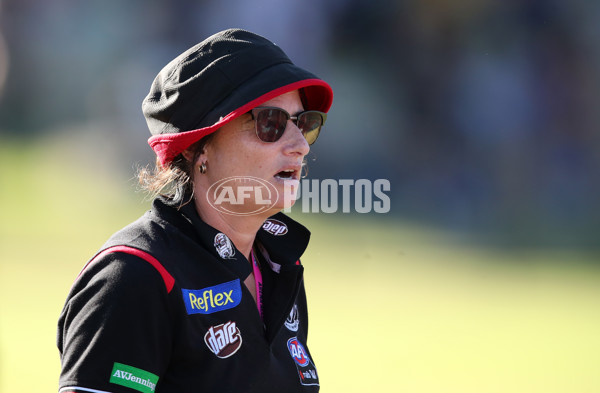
(306, 368)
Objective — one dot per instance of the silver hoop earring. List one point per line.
(202, 168)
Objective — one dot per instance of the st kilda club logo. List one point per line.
(242, 195)
(223, 340)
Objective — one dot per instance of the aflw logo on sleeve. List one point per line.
(212, 299)
(306, 368)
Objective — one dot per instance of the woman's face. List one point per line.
(262, 177)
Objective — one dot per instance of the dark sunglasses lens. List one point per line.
(270, 124)
(310, 124)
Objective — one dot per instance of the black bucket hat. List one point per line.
(218, 80)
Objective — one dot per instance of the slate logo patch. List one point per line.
(133, 378)
(212, 299)
(223, 340)
(306, 368)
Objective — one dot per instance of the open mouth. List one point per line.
(288, 174)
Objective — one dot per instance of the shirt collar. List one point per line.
(281, 239)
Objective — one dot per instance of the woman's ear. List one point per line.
(188, 155)
(192, 155)
(197, 151)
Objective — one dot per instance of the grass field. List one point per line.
(394, 308)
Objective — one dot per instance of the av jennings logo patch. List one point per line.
(212, 299)
(133, 378)
(223, 340)
(306, 369)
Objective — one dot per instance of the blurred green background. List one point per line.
(484, 275)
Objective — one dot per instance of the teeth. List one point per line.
(285, 174)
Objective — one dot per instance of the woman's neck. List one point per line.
(241, 230)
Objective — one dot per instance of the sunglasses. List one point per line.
(271, 123)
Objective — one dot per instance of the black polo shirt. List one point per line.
(163, 308)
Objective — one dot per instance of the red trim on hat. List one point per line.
(168, 146)
(167, 278)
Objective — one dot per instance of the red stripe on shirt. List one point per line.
(167, 278)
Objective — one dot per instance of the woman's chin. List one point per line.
(287, 190)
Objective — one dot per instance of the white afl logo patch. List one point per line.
(224, 246)
(275, 227)
(292, 320)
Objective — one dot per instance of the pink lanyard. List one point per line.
(259, 284)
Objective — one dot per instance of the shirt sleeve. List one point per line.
(114, 333)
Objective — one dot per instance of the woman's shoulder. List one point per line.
(139, 248)
(158, 226)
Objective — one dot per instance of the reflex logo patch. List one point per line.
(223, 340)
(212, 299)
(306, 369)
(133, 378)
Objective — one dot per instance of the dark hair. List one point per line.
(174, 182)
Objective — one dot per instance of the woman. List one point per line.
(204, 293)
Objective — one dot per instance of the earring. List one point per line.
(202, 168)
